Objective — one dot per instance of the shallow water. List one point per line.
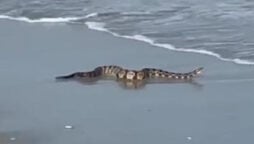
(222, 29)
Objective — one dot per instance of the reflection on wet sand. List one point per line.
(137, 84)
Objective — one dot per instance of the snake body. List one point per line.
(119, 73)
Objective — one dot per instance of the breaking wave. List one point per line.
(101, 27)
(47, 20)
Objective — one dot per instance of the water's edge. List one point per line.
(101, 27)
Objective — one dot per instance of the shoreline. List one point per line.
(34, 108)
(100, 27)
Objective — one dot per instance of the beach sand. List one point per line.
(35, 109)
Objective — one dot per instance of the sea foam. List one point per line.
(101, 27)
(48, 20)
(41, 20)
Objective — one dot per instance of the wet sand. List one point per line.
(35, 108)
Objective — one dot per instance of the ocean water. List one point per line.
(223, 29)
